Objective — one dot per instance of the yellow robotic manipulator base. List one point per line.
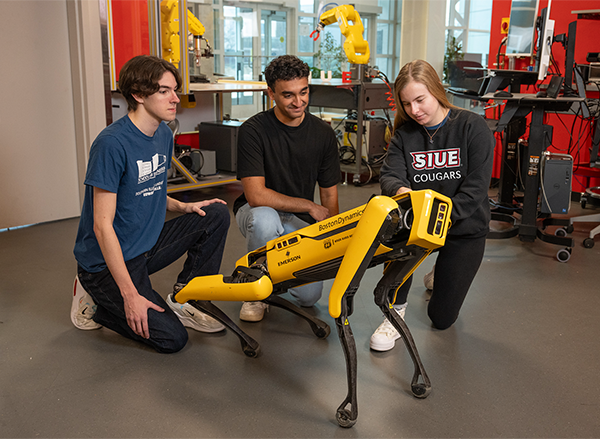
(399, 232)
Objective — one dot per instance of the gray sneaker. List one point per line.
(192, 318)
(253, 311)
(83, 308)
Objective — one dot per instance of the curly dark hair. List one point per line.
(285, 68)
(140, 76)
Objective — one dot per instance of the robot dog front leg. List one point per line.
(347, 412)
(245, 284)
(250, 347)
(377, 223)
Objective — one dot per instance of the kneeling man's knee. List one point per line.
(264, 221)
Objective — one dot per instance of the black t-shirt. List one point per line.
(292, 159)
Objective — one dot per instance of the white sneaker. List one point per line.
(253, 311)
(384, 338)
(83, 308)
(428, 279)
(192, 318)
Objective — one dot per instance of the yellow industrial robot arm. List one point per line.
(170, 28)
(355, 46)
(196, 28)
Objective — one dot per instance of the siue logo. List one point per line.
(442, 158)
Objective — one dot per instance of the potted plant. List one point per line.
(329, 57)
(453, 53)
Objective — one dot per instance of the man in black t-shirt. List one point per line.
(282, 154)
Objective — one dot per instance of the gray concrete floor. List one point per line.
(522, 360)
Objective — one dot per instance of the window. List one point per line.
(305, 27)
(384, 42)
(216, 42)
(247, 35)
(238, 31)
(384, 65)
(273, 36)
(387, 9)
(469, 22)
(306, 6)
(387, 39)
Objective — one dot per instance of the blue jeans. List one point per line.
(202, 237)
(262, 224)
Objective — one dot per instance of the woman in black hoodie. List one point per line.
(450, 150)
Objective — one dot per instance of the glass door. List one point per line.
(273, 35)
(239, 29)
(253, 34)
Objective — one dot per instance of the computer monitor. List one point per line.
(521, 28)
(545, 40)
(570, 59)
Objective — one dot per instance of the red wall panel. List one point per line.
(570, 134)
(130, 30)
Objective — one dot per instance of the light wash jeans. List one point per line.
(262, 224)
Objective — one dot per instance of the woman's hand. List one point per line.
(403, 190)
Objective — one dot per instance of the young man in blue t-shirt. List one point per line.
(123, 237)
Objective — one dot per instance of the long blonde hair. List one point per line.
(422, 72)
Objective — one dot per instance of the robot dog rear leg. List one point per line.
(384, 292)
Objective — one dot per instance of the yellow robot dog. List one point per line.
(399, 231)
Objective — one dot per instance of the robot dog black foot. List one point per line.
(250, 347)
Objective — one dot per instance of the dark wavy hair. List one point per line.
(140, 76)
(285, 68)
(423, 72)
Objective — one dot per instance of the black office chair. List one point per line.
(591, 194)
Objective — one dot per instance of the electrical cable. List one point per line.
(322, 9)
(583, 129)
(502, 43)
(390, 93)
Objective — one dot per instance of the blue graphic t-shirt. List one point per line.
(125, 161)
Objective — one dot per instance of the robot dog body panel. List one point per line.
(336, 248)
(220, 288)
